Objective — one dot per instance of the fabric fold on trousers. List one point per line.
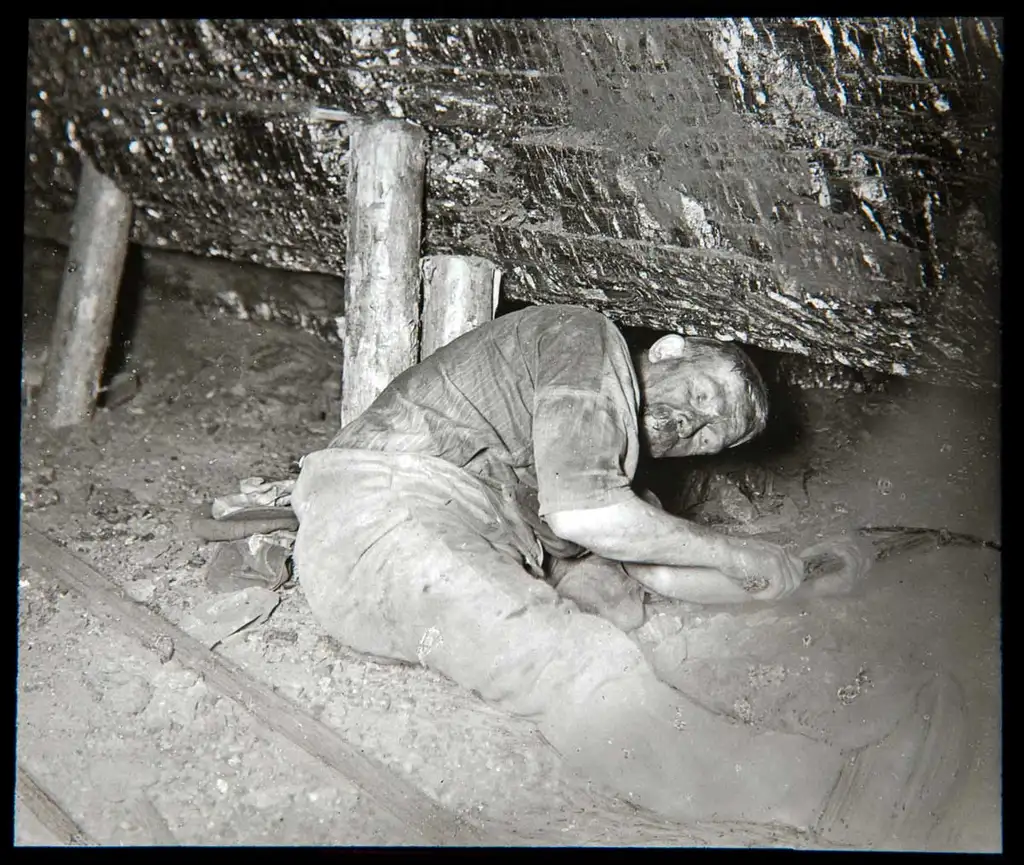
(406, 557)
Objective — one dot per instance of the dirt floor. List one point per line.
(140, 750)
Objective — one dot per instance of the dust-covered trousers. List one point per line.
(408, 557)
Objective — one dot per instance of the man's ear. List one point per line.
(669, 347)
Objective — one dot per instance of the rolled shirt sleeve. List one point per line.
(586, 401)
(585, 446)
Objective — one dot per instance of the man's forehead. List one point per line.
(717, 372)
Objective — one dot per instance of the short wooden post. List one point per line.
(387, 163)
(459, 293)
(100, 226)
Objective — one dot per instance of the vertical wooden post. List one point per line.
(387, 163)
(88, 297)
(458, 295)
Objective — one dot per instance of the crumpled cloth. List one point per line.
(254, 492)
(261, 558)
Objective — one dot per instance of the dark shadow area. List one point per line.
(507, 305)
(125, 316)
(787, 420)
(39, 288)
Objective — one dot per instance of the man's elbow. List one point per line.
(573, 526)
(567, 525)
(587, 529)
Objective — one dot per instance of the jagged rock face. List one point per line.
(825, 187)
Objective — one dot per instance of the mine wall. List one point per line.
(827, 188)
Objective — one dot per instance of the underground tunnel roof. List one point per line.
(826, 187)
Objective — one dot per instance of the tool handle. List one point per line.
(209, 529)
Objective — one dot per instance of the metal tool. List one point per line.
(833, 556)
(894, 539)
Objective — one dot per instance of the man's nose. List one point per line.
(690, 425)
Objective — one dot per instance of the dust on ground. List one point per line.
(140, 751)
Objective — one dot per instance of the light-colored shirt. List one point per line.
(543, 400)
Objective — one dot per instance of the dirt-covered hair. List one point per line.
(701, 348)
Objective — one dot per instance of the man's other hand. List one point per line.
(751, 562)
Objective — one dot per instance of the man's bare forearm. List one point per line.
(635, 531)
(693, 585)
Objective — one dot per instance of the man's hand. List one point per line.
(751, 562)
(637, 532)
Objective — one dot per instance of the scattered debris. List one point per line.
(161, 551)
(279, 636)
(430, 640)
(42, 474)
(161, 644)
(113, 504)
(37, 603)
(755, 482)
(715, 498)
(766, 675)
(35, 498)
(789, 511)
(36, 490)
(176, 696)
(215, 621)
(141, 590)
(727, 503)
(848, 693)
(743, 710)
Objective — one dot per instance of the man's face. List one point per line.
(699, 409)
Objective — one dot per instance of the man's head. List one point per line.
(699, 396)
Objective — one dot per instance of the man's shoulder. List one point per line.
(566, 316)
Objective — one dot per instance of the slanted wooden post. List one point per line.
(100, 226)
(387, 162)
(459, 293)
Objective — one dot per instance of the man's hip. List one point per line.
(364, 490)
